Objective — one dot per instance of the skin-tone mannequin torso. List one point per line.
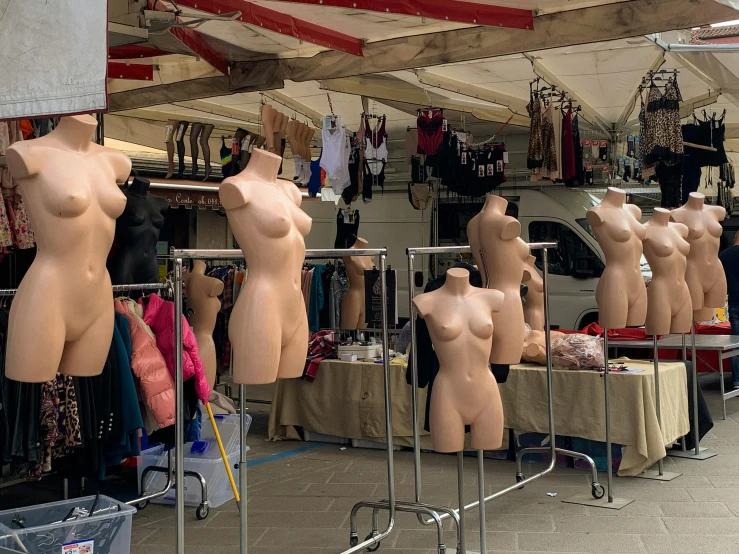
(534, 346)
(134, 255)
(668, 298)
(202, 297)
(460, 322)
(621, 293)
(500, 254)
(533, 310)
(705, 274)
(269, 323)
(352, 305)
(62, 315)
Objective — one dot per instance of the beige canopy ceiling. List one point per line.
(596, 51)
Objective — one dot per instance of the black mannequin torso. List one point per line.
(133, 258)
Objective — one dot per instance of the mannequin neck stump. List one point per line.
(77, 131)
(139, 186)
(457, 281)
(495, 203)
(614, 197)
(263, 166)
(695, 201)
(660, 217)
(360, 243)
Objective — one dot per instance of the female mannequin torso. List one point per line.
(269, 325)
(533, 310)
(352, 305)
(705, 274)
(62, 316)
(500, 253)
(134, 255)
(621, 293)
(460, 322)
(202, 298)
(668, 298)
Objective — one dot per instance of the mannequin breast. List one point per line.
(533, 310)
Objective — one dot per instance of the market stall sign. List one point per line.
(190, 199)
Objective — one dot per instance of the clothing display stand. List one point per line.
(373, 541)
(696, 453)
(610, 502)
(442, 513)
(660, 474)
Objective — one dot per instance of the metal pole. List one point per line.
(481, 496)
(548, 352)
(179, 435)
(388, 398)
(461, 542)
(414, 383)
(609, 459)
(696, 432)
(660, 464)
(243, 546)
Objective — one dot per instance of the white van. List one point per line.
(558, 214)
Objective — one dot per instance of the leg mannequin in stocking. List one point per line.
(180, 139)
(268, 122)
(205, 146)
(195, 131)
(169, 139)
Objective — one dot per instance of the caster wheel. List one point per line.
(374, 547)
(202, 511)
(598, 491)
(142, 505)
(519, 477)
(353, 541)
(442, 550)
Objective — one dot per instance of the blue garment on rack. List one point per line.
(316, 299)
(196, 424)
(314, 183)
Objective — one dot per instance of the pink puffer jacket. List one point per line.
(159, 315)
(147, 363)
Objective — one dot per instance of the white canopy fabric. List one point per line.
(53, 57)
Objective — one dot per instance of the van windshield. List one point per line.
(585, 225)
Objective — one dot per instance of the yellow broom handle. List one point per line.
(223, 452)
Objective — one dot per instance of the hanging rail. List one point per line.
(552, 449)
(179, 255)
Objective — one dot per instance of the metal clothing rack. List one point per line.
(418, 506)
(179, 255)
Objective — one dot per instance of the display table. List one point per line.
(347, 399)
(579, 408)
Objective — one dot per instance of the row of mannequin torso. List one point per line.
(681, 247)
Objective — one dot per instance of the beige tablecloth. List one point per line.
(579, 409)
(347, 399)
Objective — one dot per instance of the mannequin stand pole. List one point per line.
(243, 547)
(179, 435)
(660, 474)
(461, 542)
(481, 495)
(697, 453)
(610, 501)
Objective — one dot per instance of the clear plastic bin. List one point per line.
(209, 465)
(106, 531)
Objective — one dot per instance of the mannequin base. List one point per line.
(690, 454)
(585, 499)
(654, 475)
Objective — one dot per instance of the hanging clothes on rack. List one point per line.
(535, 154)
(376, 153)
(347, 228)
(549, 163)
(430, 126)
(569, 171)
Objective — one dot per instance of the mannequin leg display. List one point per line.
(481, 494)
(169, 139)
(180, 139)
(697, 453)
(195, 131)
(205, 146)
(660, 474)
(461, 542)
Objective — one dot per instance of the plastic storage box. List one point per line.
(208, 464)
(106, 531)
